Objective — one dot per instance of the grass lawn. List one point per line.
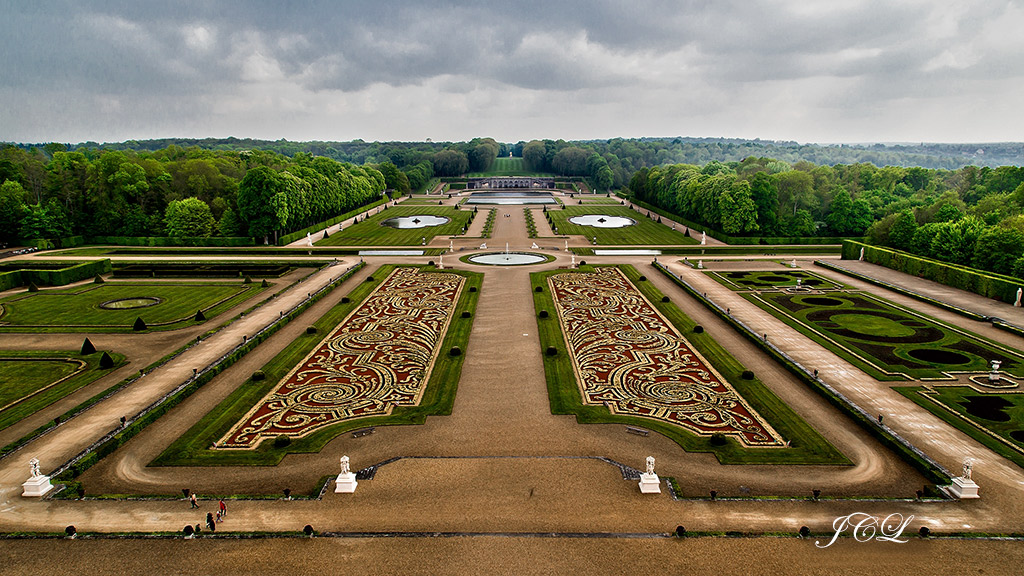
(996, 420)
(79, 309)
(767, 280)
(31, 381)
(806, 445)
(644, 232)
(507, 167)
(884, 340)
(371, 232)
(192, 448)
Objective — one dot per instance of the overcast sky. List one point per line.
(805, 70)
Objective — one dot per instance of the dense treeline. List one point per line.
(971, 216)
(55, 193)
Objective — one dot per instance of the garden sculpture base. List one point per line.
(650, 484)
(962, 489)
(36, 487)
(346, 483)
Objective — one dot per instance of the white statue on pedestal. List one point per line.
(345, 483)
(649, 481)
(650, 464)
(309, 240)
(703, 238)
(451, 246)
(1019, 292)
(534, 246)
(33, 467)
(968, 468)
(37, 485)
(440, 262)
(700, 264)
(793, 265)
(861, 254)
(566, 244)
(344, 465)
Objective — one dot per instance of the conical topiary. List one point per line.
(106, 362)
(247, 280)
(88, 348)
(98, 279)
(140, 324)
(264, 284)
(200, 317)
(32, 287)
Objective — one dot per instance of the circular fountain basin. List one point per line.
(508, 259)
(602, 221)
(420, 221)
(129, 303)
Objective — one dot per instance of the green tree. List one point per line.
(997, 249)
(262, 203)
(450, 163)
(190, 217)
(902, 232)
(12, 210)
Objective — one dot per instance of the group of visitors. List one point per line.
(212, 519)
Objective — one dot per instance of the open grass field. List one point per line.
(994, 419)
(32, 380)
(193, 447)
(508, 167)
(806, 445)
(644, 232)
(101, 307)
(885, 340)
(371, 232)
(769, 280)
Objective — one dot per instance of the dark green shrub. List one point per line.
(345, 300)
(466, 314)
(139, 325)
(472, 288)
(543, 314)
(264, 284)
(642, 279)
(310, 329)
(552, 351)
(247, 280)
(88, 348)
(282, 441)
(369, 278)
(106, 362)
(258, 376)
(718, 439)
(200, 317)
(538, 289)
(665, 299)
(698, 329)
(583, 262)
(747, 375)
(32, 287)
(98, 279)
(430, 262)
(455, 351)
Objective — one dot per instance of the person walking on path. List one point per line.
(192, 499)
(223, 508)
(210, 523)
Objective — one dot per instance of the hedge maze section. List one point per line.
(378, 358)
(628, 358)
(886, 341)
(114, 307)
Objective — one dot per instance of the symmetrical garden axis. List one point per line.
(629, 358)
(378, 358)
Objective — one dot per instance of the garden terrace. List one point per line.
(199, 270)
(167, 306)
(645, 232)
(372, 232)
(885, 340)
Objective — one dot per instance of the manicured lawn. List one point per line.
(371, 232)
(31, 381)
(644, 232)
(192, 448)
(887, 341)
(767, 280)
(81, 308)
(806, 445)
(507, 167)
(994, 419)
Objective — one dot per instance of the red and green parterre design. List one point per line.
(629, 358)
(378, 358)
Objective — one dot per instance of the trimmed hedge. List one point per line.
(299, 234)
(40, 273)
(169, 241)
(987, 284)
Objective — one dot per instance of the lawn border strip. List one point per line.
(138, 422)
(82, 365)
(932, 470)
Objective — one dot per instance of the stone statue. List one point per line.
(534, 246)
(700, 264)
(1019, 292)
(566, 244)
(344, 465)
(703, 238)
(440, 262)
(968, 468)
(309, 240)
(650, 464)
(793, 265)
(33, 466)
(451, 246)
(573, 264)
(861, 254)
(483, 246)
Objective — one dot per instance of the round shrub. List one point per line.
(718, 439)
(642, 279)
(310, 329)
(552, 351)
(543, 314)
(665, 299)
(345, 300)
(308, 530)
(698, 329)
(472, 288)
(70, 531)
(430, 262)
(455, 351)
(258, 376)
(369, 278)
(538, 289)
(747, 375)
(805, 531)
(282, 441)
(583, 262)
(924, 532)
(466, 314)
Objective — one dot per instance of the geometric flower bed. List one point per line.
(627, 357)
(370, 231)
(767, 280)
(880, 336)
(379, 357)
(645, 232)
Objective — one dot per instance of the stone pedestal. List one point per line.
(346, 483)
(36, 487)
(650, 484)
(963, 488)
